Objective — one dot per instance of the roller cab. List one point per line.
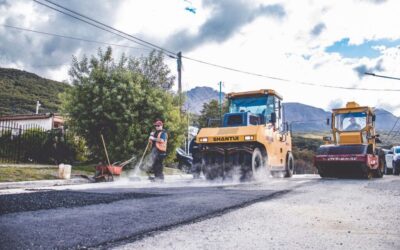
(351, 152)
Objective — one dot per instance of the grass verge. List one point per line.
(15, 173)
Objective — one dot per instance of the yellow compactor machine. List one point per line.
(253, 139)
(352, 152)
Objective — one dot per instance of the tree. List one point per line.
(153, 68)
(211, 110)
(117, 101)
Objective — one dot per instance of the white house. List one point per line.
(46, 121)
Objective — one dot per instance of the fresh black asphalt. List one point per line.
(98, 218)
(14, 203)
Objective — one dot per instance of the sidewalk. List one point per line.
(76, 180)
(27, 165)
(42, 183)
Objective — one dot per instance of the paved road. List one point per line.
(301, 212)
(323, 214)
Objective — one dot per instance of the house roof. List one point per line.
(29, 117)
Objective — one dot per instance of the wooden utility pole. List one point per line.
(220, 100)
(179, 67)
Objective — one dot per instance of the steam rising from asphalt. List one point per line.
(145, 165)
(262, 174)
(234, 176)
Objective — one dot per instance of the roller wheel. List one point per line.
(211, 172)
(212, 167)
(321, 172)
(366, 172)
(289, 170)
(378, 173)
(259, 168)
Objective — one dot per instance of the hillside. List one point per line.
(301, 117)
(19, 91)
(385, 120)
(196, 97)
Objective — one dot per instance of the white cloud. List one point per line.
(277, 48)
(336, 103)
(284, 47)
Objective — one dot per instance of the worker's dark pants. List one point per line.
(158, 158)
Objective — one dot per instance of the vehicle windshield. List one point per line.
(351, 121)
(255, 105)
(397, 150)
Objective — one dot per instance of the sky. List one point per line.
(297, 47)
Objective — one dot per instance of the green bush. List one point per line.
(38, 146)
(31, 144)
(121, 100)
(303, 152)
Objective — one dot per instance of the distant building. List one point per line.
(46, 121)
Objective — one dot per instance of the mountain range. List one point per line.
(196, 97)
(19, 91)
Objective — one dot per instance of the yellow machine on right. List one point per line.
(352, 152)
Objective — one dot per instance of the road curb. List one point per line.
(43, 183)
(12, 165)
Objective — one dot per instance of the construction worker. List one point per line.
(158, 140)
(353, 125)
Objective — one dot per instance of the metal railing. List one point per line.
(32, 144)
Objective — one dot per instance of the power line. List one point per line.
(93, 24)
(397, 133)
(393, 129)
(47, 65)
(284, 79)
(394, 126)
(112, 28)
(236, 70)
(133, 38)
(70, 37)
(172, 54)
(387, 77)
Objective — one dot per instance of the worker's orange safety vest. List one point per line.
(162, 145)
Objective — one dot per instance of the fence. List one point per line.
(32, 144)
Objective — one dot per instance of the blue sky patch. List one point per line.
(362, 50)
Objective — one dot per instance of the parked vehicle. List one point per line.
(185, 161)
(393, 160)
(385, 169)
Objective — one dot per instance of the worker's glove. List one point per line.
(152, 138)
(152, 133)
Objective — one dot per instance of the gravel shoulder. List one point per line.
(330, 214)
